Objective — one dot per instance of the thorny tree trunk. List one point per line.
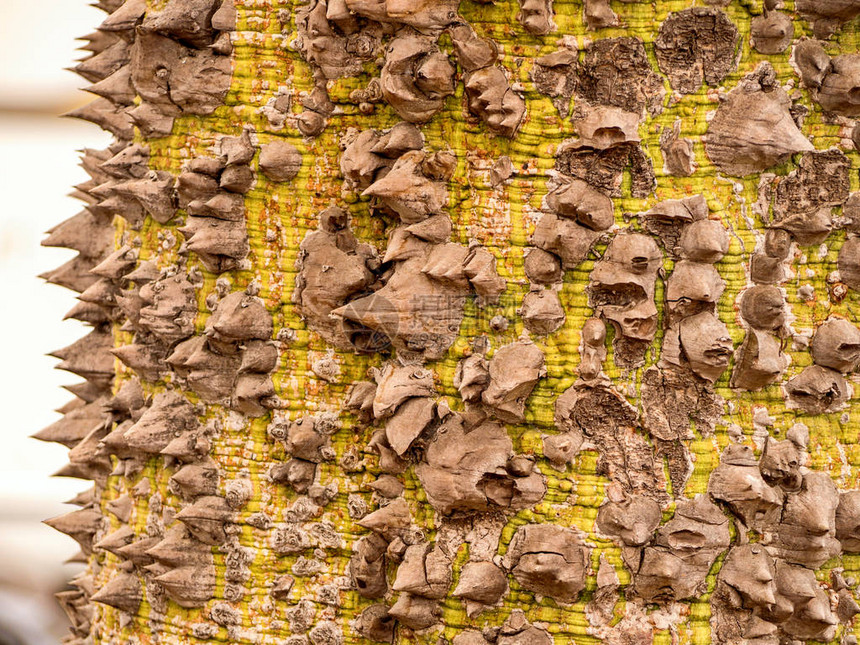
(425, 323)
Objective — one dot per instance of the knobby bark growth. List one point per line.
(466, 322)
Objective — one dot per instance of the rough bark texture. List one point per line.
(418, 322)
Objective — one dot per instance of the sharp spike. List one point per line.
(89, 459)
(89, 312)
(89, 357)
(78, 558)
(97, 41)
(104, 64)
(107, 116)
(86, 198)
(189, 586)
(125, 17)
(154, 193)
(129, 163)
(152, 122)
(74, 274)
(74, 426)
(91, 161)
(115, 442)
(146, 360)
(206, 519)
(74, 471)
(127, 208)
(84, 498)
(123, 592)
(84, 233)
(78, 608)
(146, 271)
(113, 542)
(80, 525)
(104, 189)
(71, 406)
(196, 479)
(86, 186)
(85, 582)
(121, 507)
(88, 391)
(102, 293)
(108, 6)
(169, 415)
(136, 552)
(180, 548)
(117, 264)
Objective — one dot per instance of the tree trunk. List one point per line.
(432, 322)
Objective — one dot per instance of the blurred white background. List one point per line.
(38, 167)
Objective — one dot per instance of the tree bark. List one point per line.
(466, 322)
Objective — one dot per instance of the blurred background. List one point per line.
(38, 167)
